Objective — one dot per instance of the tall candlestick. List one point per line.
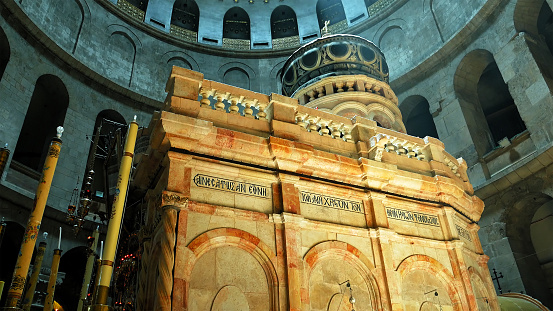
(21, 270)
(59, 240)
(114, 226)
(101, 249)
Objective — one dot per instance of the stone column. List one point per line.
(521, 63)
(294, 264)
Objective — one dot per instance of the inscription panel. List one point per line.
(243, 193)
(463, 233)
(332, 209)
(234, 186)
(412, 217)
(331, 202)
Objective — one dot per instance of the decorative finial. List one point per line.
(44, 236)
(325, 29)
(60, 131)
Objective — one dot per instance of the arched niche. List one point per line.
(237, 77)
(330, 10)
(140, 4)
(4, 52)
(329, 265)
(522, 215)
(73, 264)
(541, 229)
(236, 24)
(111, 129)
(426, 283)
(216, 270)
(45, 113)
(417, 118)
(283, 22)
(186, 14)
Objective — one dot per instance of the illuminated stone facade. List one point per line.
(267, 213)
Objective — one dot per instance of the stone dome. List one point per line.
(333, 55)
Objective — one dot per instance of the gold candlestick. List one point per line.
(29, 295)
(33, 225)
(106, 268)
(49, 300)
(89, 268)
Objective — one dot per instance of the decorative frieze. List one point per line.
(131, 10)
(185, 34)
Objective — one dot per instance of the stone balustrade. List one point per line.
(279, 116)
(340, 84)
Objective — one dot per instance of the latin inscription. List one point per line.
(414, 217)
(331, 202)
(233, 186)
(464, 233)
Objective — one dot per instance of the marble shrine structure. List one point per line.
(272, 202)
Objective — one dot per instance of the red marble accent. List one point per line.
(225, 138)
(304, 296)
(187, 179)
(290, 199)
(179, 294)
(197, 242)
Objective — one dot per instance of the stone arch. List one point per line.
(350, 108)
(237, 74)
(73, 264)
(113, 127)
(85, 12)
(536, 18)
(4, 52)
(391, 38)
(237, 239)
(417, 118)
(45, 113)
(283, 22)
(176, 58)
(236, 24)
(276, 76)
(435, 269)
(526, 14)
(345, 253)
(127, 45)
(485, 101)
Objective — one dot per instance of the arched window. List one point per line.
(46, 112)
(236, 24)
(237, 77)
(330, 10)
(498, 106)
(110, 131)
(186, 14)
(4, 52)
(141, 4)
(73, 264)
(283, 22)
(488, 108)
(417, 118)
